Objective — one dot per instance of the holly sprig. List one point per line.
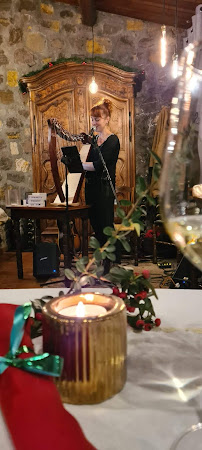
(134, 289)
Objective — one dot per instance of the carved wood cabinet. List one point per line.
(62, 91)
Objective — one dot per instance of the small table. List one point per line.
(50, 212)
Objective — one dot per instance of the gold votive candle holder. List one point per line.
(93, 346)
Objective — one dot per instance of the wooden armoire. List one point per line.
(62, 91)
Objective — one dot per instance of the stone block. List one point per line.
(5, 162)
(46, 60)
(57, 43)
(12, 122)
(4, 22)
(36, 42)
(14, 148)
(12, 78)
(16, 177)
(47, 9)
(2, 144)
(21, 55)
(66, 13)
(101, 46)
(27, 146)
(15, 35)
(5, 5)
(6, 97)
(3, 58)
(22, 165)
(134, 25)
(55, 25)
(27, 131)
(69, 28)
(13, 136)
(1, 79)
(27, 5)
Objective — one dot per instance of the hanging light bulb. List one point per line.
(175, 66)
(163, 46)
(93, 87)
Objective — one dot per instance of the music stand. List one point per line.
(72, 161)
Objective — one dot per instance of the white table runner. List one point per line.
(162, 395)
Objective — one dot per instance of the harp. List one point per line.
(75, 180)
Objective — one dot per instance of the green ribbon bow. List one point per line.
(44, 364)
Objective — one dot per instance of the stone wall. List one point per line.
(33, 33)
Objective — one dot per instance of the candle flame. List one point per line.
(80, 310)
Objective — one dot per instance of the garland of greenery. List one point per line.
(139, 78)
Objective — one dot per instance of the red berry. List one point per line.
(147, 326)
(115, 290)
(146, 273)
(141, 295)
(130, 308)
(139, 323)
(38, 316)
(158, 322)
(123, 295)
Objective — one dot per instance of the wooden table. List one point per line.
(50, 212)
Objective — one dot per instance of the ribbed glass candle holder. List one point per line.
(93, 348)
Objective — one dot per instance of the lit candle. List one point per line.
(89, 331)
(83, 310)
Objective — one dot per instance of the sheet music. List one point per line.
(73, 179)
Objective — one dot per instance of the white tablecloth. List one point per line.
(162, 395)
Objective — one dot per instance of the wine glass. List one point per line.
(181, 180)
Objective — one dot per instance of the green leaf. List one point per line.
(140, 185)
(108, 231)
(149, 307)
(126, 223)
(118, 271)
(111, 256)
(151, 200)
(156, 157)
(110, 248)
(80, 266)
(120, 213)
(93, 242)
(98, 255)
(156, 172)
(125, 244)
(112, 240)
(99, 271)
(69, 274)
(104, 255)
(124, 202)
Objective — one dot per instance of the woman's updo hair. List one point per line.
(103, 107)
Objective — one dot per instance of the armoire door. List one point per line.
(62, 92)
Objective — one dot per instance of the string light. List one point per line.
(175, 55)
(175, 65)
(163, 46)
(93, 87)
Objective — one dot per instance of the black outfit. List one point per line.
(98, 192)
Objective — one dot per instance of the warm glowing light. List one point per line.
(80, 310)
(179, 385)
(93, 87)
(175, 66)
(163, 46)
(89, 297)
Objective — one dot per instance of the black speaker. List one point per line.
(186, 275)
(45, 260)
